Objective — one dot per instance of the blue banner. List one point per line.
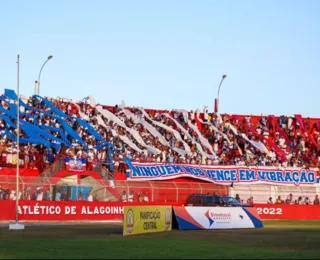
(53, 109)
(38, 134)
(223, 174)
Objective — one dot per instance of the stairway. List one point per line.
(99, 178)
(99, 192)
(46, 176)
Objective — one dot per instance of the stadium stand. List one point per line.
(56, 131)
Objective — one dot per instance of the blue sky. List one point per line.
(168, 54)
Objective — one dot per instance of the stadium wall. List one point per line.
(22, 172)
(63, 211)
(288, 212)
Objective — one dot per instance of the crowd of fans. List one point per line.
(177, 136)
(222, 132)
(45, 194)
(42, 194)
(301, 200)
(132, 197)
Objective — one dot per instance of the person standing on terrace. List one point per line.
(289, 199)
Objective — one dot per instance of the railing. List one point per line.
(53, 169)
(153, 191)
(10, 160)
(262, 193)
(31, 188)
(48, 172)
(102, 170)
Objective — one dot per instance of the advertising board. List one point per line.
(146, 219)
(216, 217)
(288, 212)
(66, 210)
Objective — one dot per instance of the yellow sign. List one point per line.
(146, 219)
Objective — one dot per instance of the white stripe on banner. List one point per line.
(213, 128)
(169, 129)
(191, 138)
(258, 145)
(126, 140)
(139, 139)
(184, 113)
(203, 140)
(91, 99)
(82, 115)
(101, 122)
(110, 116)
(149, 127)
(179, 126)
(153, 131)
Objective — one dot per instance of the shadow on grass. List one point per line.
(105, 241)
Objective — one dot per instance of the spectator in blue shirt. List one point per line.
(50, 156)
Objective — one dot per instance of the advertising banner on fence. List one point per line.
(65, 210)
(146, 219)
(113, 211)
(223, 174)
(216, 217)
(288, 212)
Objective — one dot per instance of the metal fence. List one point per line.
(261, 193)
(87, 188)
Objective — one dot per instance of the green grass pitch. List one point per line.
(278, 239)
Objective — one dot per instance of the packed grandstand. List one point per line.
(105, 140)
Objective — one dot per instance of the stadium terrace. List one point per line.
(82, 151)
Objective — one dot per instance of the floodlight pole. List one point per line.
(217, 99)
(37, 92)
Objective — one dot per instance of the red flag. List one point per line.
(199, 124)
